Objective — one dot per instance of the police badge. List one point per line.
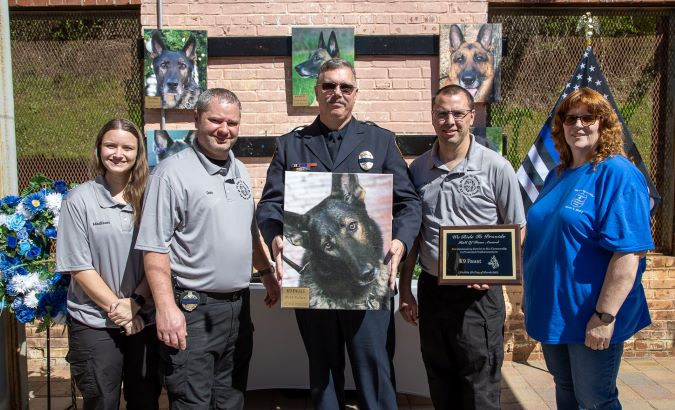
(366, 160)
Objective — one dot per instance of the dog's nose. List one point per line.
(172, 84)
(469, 78)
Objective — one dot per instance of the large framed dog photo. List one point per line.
(311, 48)
(164, 143)
(337, 230)
(175, 68)
(470, 55)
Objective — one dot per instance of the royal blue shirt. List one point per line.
(580, 219)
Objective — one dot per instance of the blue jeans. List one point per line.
(584, 378)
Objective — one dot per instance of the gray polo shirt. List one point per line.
(481, 190)
(202, 216)
(96, 232)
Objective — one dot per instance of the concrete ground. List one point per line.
(643, 384)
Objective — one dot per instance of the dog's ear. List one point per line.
(189, 137)
(162, 141)
(346, 186)
(322, 43)
(333, 48)
(190, 47)
(456, 37)
(157, 43)
(485, 36)
(295, 228)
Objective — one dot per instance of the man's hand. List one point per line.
(277, 254)
(393, 259)
(123, 311)
(272, 287)
(598, 333)
(171, 327)
(135, 326)
(408, 306)
(477, 286)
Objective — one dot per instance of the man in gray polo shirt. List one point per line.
(198, 231)
(460, 183)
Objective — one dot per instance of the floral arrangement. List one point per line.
(29, 287)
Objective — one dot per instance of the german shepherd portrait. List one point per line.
(322, 53)
(471, 64)
(164, 143)
(175, 72)
(342, 265)
(313, 46)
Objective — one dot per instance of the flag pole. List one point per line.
(590, 26)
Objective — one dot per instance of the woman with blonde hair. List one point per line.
(110, 311)
(587, 235)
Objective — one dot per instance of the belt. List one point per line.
(189, 299)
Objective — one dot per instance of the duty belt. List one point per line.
(188, 299)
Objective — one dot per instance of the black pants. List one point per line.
(102, 359)
(462, 341)
(369, 338)
(212, 372)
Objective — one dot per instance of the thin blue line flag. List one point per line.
(543, 157)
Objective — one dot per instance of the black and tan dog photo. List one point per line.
(164, 143)
(313, 46)
(471, 59)
(341, 240)
(175, 60)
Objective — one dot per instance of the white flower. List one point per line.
(31, 300)
(56, 221)
(3, 219)
(27, 283)
(20, 209)
(53, 201)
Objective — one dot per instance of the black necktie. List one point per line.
(333, 143)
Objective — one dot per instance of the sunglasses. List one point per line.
(586, 120)
(345, 88)
(442, 115)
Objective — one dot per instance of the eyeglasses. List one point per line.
(345, 88)
(442, 115)
(586, 120)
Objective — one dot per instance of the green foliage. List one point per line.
(175, 40)
(82, 29)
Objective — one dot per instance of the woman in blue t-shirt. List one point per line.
(588, 233)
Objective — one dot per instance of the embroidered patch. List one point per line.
(468, 185)
(243, 189)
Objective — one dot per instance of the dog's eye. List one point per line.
(352, 226)
(327, 246)
(479, 58)
(183, 66)
(459, 59)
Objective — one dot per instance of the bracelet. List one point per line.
(267, 271)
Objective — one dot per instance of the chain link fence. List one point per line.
(72, 72)
(632, 49)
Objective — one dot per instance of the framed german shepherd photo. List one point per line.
(175, 68)
(470, 55)
(311, 48)
(161, 144)
(337, 230)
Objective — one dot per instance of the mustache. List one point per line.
(338, 100)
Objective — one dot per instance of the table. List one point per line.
(280, 362)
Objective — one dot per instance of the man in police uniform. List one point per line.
(198, 231)
(337, 142)
(460, 183)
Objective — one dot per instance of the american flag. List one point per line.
(543, 157)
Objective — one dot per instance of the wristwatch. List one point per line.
(267, 271)
(605, 318)
(140, 300)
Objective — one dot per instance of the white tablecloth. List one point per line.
(280, 362)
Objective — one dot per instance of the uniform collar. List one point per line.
(105, 200)
(473, 158)
(342, 132)
(209, 166)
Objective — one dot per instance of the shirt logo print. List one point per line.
(244, 190)
(469, 185)
(579, 199)
(99, 223)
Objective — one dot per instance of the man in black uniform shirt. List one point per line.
(337, 142)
